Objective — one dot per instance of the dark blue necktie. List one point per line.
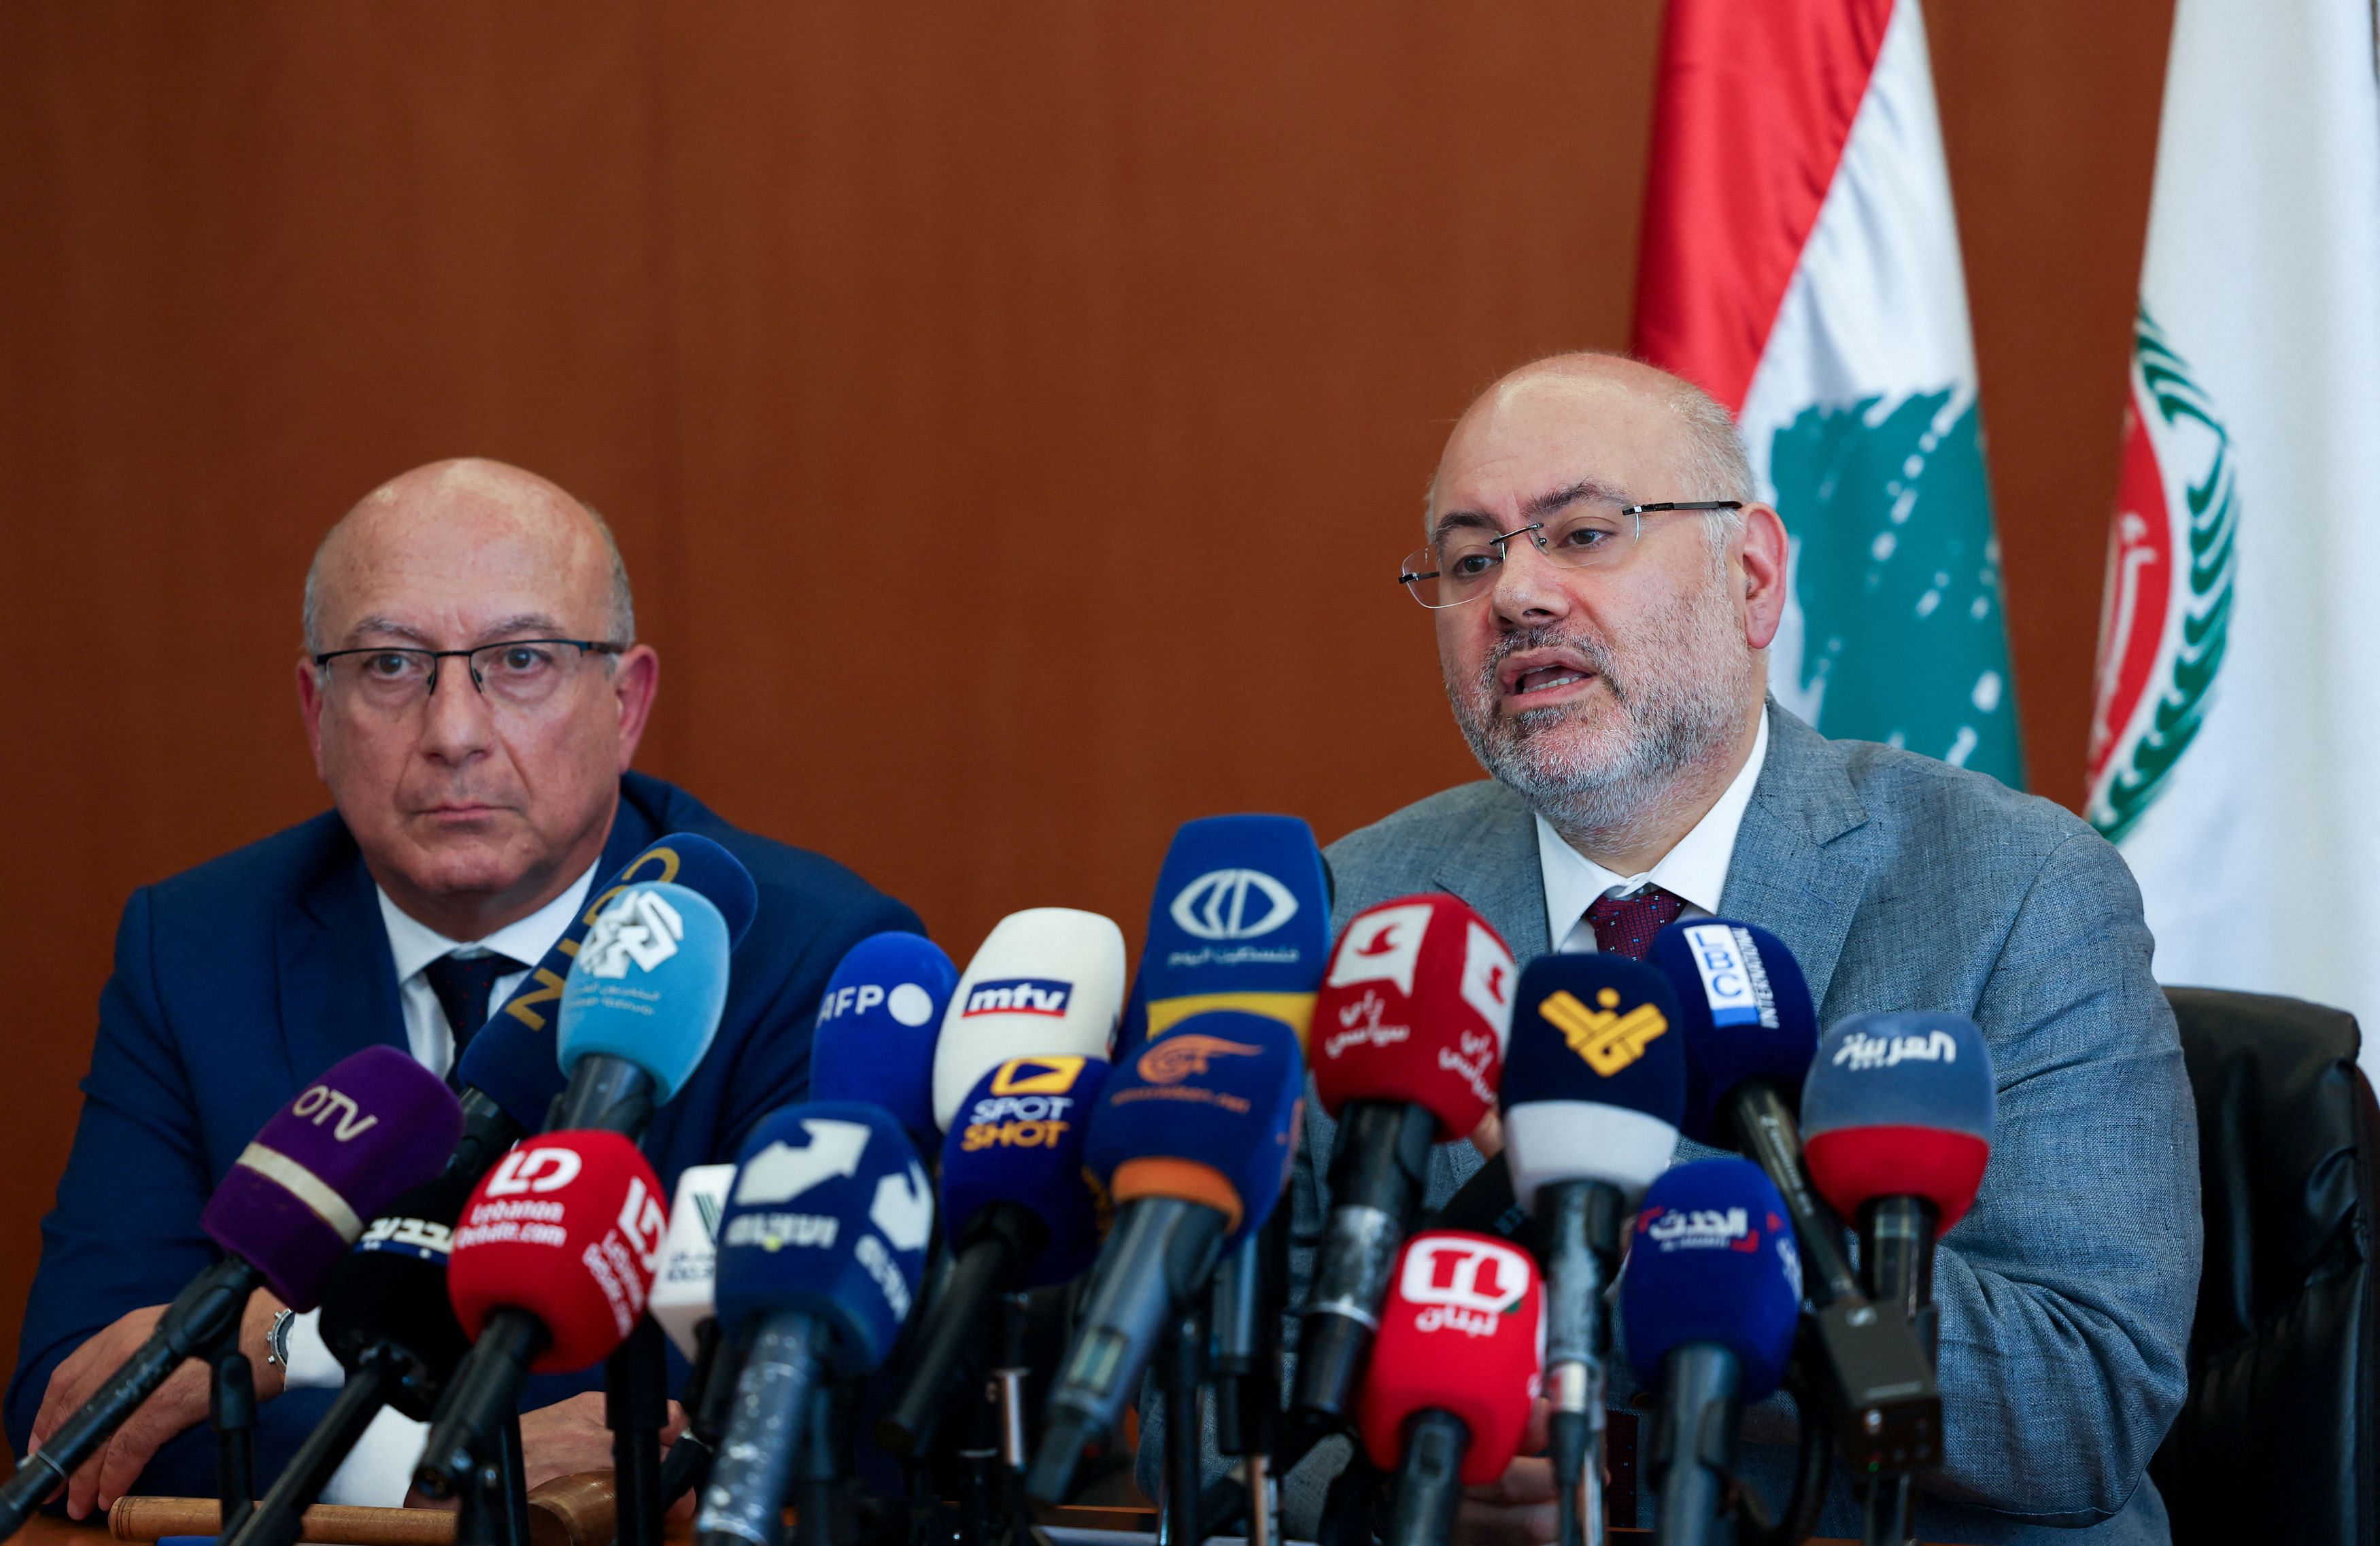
(463, 983)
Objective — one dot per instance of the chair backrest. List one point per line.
(2276, 1439)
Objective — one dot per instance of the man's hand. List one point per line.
(569, 1437)
(179, 1403)
(1517, 1508)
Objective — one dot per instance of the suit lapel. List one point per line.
(1788, 874)
(1494, 867)
(338, 979)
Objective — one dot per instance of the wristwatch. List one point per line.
(276, 1339)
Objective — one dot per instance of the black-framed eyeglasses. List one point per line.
(517, 673)
(1462, 565)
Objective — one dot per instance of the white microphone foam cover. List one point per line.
(681, 1295)
(1547, 1142)
(1048, 982)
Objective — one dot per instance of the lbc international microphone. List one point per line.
(1751, 1032)
(548, 1274)
(877, 1024)
(1709, 1303)
(1407, 1048)
(1595, 1085)
(1194, 1137)
(1453, 1369)
(819, 1253)
(1017, 1211)
(372, 1128)
(1241, 921)
(1045, 983)
(512, 1071)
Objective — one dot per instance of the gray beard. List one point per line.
(1678, 705)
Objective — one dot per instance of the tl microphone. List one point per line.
(1195, 1137)
(548, 1274)
(640, 1006)
(819, 1253)
(1709, 1302)
(1241, 921)
(1047, 982)
(372, 1128)
(877, 1024)
(1751, 1033)
(1455, 1366)
(1595, 1085)
(1018, 1211)
(1408, 1048)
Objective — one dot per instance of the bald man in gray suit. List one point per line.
(1604, 585)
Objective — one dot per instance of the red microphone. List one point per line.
(551, 1264)
(1407, 1047)
(1459, 1357)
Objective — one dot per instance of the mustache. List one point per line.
(1590, 648)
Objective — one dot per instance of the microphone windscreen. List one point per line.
(373, 1127)
(514, 1059)
(649, 984)
(392, 1287)
(877, 1024)
(1047, 982)
(1241, 921)
(1464, 1331)
(1594, 1078)
(1901, 1104)
(1019, 1139)
(1713, 1260)
(682, 1289)
(1747, 1014)
(1415, 1010)
(1207, 1113)
(567, 1227)
(830, 1215)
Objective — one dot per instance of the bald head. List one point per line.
(455, 510)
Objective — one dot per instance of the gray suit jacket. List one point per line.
(1901, 883)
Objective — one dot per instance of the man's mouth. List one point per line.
(1533, 679)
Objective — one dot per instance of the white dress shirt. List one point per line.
(379, 1471)
(1695, 869)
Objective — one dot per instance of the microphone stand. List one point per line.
(231, 1405)
(635, 1407)
(1897, 1250)
(817, 1477)
(1185, 1355)
(492, 1510)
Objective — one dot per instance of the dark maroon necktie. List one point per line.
(1625, 925)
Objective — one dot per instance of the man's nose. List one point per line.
(1528, 588)
(457, 720)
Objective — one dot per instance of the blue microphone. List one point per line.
(512, 1071)
(1241, 921)
(821, 1249)
(1019, 1211)
(877, 1024)
(1709, 1302)
(1751, 1033)
(1595, 1085)
(641, 1006)
(1194, 1138)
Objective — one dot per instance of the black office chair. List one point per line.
(2276, 1439)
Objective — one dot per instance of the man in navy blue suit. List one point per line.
(473, 693)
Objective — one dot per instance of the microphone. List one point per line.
(1595, 1083)
(681, 1304)
(877, 1024)
(1019, 1212)
(372, 1128)
(1446, 1399)
(512, 1073)
(1751, 1033)
(640, 1006)
(548, 1274)
(1709, 1302)
(1408, 1048)
(819, 1253)
(1241, 921)
(1194, 1139)
(1047, 982)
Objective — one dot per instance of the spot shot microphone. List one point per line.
(1047, 982)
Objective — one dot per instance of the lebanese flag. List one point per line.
(2235, 739)
(1801, 263)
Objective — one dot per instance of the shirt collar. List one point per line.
(415, 943)
(1695, 869)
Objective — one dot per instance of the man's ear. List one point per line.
(310, 708)
(1762, 560)
(635, 681)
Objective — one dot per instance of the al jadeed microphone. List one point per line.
(1194, 1137)
(1751, 1033)
(1455, 1367)
(1018, 1211)
(374, 1127)
(819, 1253)
(1407, 1050)
(1241, 920)
(1595, 1085)
(878, 1022)
(1046, 981)
(1709, 1303)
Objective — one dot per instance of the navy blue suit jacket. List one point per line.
(239, 982)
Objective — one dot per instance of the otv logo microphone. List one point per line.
(1233, 904)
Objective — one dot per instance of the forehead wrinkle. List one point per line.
(1594, 490)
